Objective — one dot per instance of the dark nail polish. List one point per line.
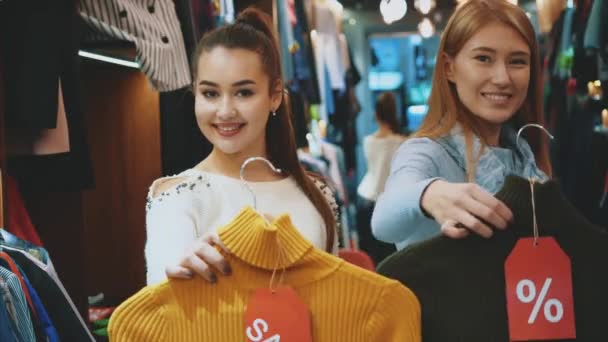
(227, 270)
(213, 278)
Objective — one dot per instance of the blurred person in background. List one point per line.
(378, 149)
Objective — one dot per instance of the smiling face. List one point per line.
(491, 74)
(233, 101)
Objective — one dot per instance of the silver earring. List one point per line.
(274, 113)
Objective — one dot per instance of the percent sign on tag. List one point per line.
(538, 278)
(553, 309)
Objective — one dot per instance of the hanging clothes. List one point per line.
(596, 35)
(304, 59)
(337, 167)
(347, 303)
(19, 222)
(27, 141)
(9, 303)
(345, 107)
(7, 261)
(48, 331)
(67, 321)
(328, 57)
(461, 283)
(29, 30)
(203, 14)
(25, 327)
(561, 68)
(226, 11)
(570, 112)
(584, 68)
(182, 143)
(187, 20)
(10, 240)
(287, 40)
(155, 30)
(7, 333)
(600, 176)
(316, 164)
(327, 45)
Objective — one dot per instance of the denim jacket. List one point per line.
(398, 218)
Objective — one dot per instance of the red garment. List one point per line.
(19, 223)
(291, 12)
(357, 257)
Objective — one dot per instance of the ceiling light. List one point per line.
(426, 28)
(393, 10)
(424, 6)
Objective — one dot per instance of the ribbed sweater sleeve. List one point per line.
(388, 322)
(141, 318)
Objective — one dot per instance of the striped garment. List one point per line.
(24, 321)
(153, 26)
(9, 308)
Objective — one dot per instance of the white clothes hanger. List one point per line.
(246, 184)
(531, 125)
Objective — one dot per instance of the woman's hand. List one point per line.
(202, 258)
(463, 207)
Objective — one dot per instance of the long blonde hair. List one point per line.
(445, 108)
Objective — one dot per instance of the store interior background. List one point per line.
(405, 55)
(96, 236)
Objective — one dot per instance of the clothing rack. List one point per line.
(44, 310)
(575, 103)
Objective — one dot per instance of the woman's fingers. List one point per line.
(199, 267)
(213, 258)
(469, 208)
(179, 272)
(214, 239)
(201, 260)
(492, 203)
(449, 228)
(474, 224)
(483, 212)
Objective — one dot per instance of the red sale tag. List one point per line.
(277, 316)
(540, 304)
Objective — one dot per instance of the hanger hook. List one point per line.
(242, 174)
(531, 125)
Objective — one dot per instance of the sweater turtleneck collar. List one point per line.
(268, 246)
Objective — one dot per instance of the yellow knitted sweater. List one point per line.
(347, 303)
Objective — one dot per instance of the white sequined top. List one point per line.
(206, 201)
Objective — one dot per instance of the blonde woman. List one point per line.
(486, 85)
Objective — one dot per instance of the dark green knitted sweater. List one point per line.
(461, 285)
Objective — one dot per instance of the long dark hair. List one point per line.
(252, 30)
(386, 111)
